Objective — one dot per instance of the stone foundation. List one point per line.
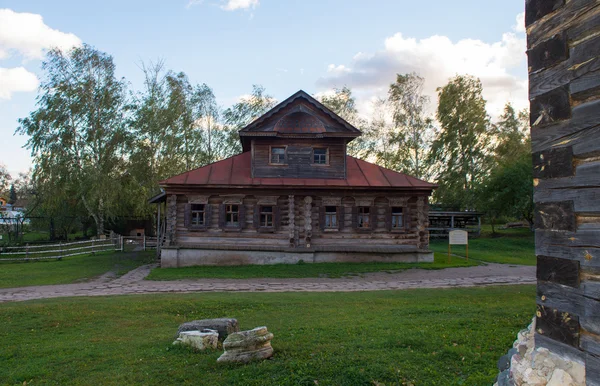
(527, 365)
(187, 257)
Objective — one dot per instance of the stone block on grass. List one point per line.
(247, 346)
(224, 326)
(199, 340)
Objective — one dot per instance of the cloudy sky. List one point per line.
(313, 45)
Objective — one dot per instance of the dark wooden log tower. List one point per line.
(564, 90)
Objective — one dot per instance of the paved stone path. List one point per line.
(134, 283)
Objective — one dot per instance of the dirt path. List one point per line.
(134, 283)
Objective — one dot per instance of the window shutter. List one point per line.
(276, 217)
(388, 218)
(207, 215)
(322, 218)
(373, 217)
(222, 216)
(340, 217)
(355, 217)
(242, 216)
(187, 215)
(406, 218)
(256, 217)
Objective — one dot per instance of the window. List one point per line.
(397, 218)
(364, 217)
(266, 216)
(278, 155)
(197, 211)
(331, 217)
(320, 156)
(232, 214)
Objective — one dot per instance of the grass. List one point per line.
(510, 246)
(331, 270)
(412, 337)
(70, 269)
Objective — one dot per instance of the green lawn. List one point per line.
(70, 269)
(412, 337)
(511, 246)
(332, 270)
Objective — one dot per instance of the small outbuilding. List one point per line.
(295, 195)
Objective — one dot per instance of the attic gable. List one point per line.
(299, 114)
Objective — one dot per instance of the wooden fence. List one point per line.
(60, 250)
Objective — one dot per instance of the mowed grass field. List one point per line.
(412, 337)
(508, 246)
(71, 269)
(306, 270)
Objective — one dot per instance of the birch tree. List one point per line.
(460, 151)
(77, 133)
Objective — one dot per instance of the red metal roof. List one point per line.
(236, 171)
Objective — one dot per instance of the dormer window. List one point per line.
(321, 156)
(277, 155)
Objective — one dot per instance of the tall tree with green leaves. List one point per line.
(511, 134)
(508, 190)
(243, 113)
(460, 150)
(343, 103)
(12, 194)
(407, 144)
(4, 179)
(77, 134)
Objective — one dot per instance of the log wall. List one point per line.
(298, 234)
(564, 91)
(299, 157)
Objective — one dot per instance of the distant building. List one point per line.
(294, 195)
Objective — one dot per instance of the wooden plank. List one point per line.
(558, 325)
(589, 342)
(586, 87)
(536, 9)
(550, 107)
(587, 257)
(553, 163)
(590, 319)
(580, 63)
(584, 200)
(548, 53)
(561, 349)
(561, 271)
(591, 289)
(592, 370)
(555, 215)
(575, 12)
(559, 297)
(586, 176)
(589, 238)
(584, 117)
(587, 25)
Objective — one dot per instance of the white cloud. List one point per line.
(233, 5)
(15, 80)
(191, 3)
(520, 26)
(437, 59)
(27, 35)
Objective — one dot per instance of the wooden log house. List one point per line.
(295, 195)
(564, 90)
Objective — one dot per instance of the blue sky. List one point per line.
(283, 45)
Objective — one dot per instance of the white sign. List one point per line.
(459, 238)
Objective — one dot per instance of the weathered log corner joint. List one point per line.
(564, 91)
(294, 194)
